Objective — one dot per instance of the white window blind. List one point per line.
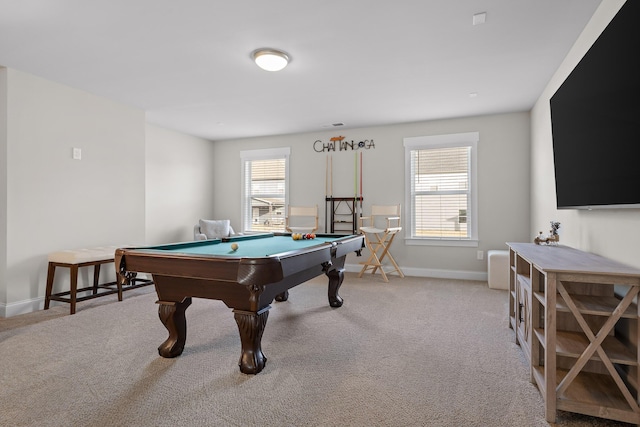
(440, 191)
(265, 189)
(440, 187)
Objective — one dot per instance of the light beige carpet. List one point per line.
(412, 352)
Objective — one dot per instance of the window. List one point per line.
(265, 188)
(441, 189)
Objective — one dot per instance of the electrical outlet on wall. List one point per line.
(480, 255)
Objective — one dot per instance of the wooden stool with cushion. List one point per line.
(74, 260)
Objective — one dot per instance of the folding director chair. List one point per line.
(378, 240)
(302, 219)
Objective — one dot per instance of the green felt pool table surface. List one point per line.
(249, 246)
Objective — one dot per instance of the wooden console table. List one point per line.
(580, 336)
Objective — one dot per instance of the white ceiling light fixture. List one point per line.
(270, 59)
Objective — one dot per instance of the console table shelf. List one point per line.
(575, 318)
(597, 306)
(573, 344)
(593, 394)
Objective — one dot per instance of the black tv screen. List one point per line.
(595, 120)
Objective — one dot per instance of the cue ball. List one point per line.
(234, 247)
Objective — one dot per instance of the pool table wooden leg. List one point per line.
(282, 297)
(251, 327)
(335, 273)
(173, 318)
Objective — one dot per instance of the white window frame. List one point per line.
(468, 139)
(262, 154)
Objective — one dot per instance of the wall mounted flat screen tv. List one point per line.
(595, 120)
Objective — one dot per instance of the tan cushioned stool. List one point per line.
(79, 256)
(73, 260)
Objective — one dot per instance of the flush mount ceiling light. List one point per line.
(270, 59)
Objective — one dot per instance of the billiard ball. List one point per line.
(234, 247)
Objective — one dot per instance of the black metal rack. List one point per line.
(341, 214)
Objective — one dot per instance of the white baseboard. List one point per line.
(35, 304)
(431, 272)
(21, 307)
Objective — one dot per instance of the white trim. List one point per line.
(446, 140)
(442, 141)
(266, 153)
(430, 272)
(471, 243)
(36, 304)
(21, 307)
(260, 154)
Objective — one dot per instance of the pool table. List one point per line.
(263, 268)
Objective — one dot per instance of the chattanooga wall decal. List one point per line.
(339, 143)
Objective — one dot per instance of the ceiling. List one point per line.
(361, 63)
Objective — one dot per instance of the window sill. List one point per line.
(441, 242)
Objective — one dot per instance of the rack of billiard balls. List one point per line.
(303, 236)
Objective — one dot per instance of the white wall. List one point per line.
(503, 175)
(179, 184)
(3, 185)
(611, 233)
(54, 202)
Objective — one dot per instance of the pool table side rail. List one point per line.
(251, 236)
(187, 266)
(196, 243)
(242, 270)
(245, 271)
